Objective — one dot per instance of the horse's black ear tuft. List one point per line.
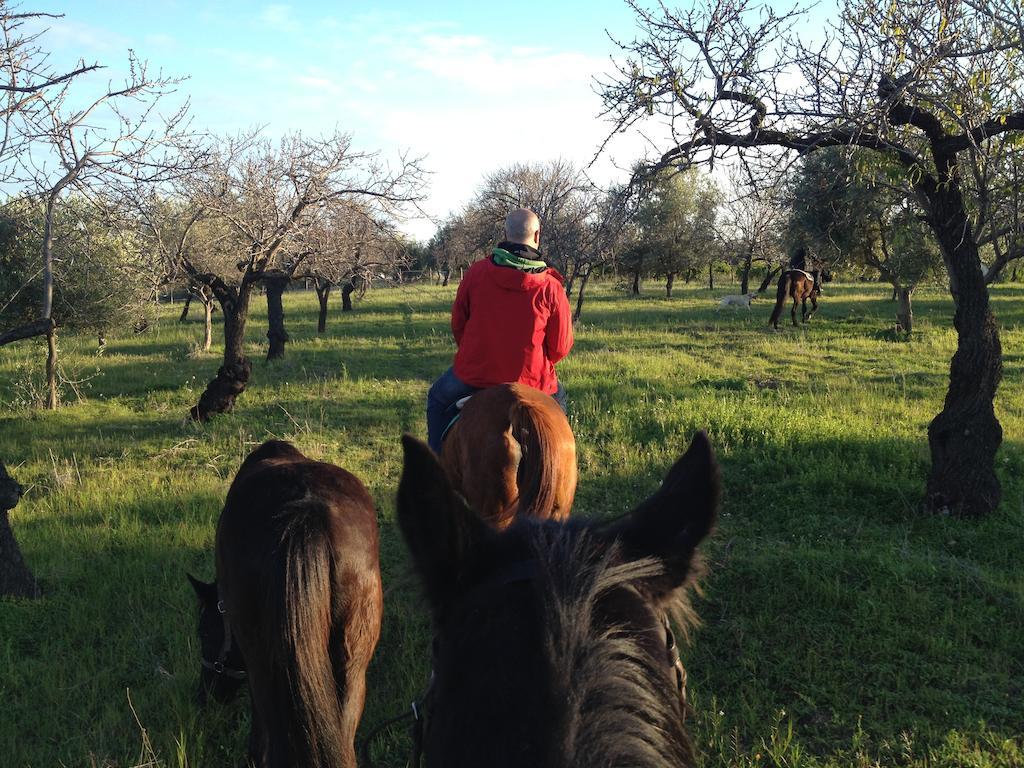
(439, 529)
(677, 517)
(207, 593)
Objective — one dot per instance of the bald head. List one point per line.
(523, 226)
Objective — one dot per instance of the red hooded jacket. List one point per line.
(511, 326)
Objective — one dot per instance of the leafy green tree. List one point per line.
(677, 226)
(97, 285)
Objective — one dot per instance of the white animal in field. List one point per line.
(737, 301)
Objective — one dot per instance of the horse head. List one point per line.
(222, 668)
(552, 646)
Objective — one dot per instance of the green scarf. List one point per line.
(505, 259)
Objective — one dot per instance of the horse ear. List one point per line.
(439, 529)
(670, 524)
(207, 593)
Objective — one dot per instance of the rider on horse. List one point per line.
(799, 261)
(511, 321)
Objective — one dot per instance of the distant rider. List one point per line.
(511, 321)
(799, 261)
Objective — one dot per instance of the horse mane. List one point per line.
(621, 705)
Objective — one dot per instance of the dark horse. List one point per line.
(799, 286)
(552, 645)
(296, 607)
(512, 450)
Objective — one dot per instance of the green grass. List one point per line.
(840, 626)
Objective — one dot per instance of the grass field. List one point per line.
(841, 627)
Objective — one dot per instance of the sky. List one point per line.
(473, 86)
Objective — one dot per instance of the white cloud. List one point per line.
(279, 16)
(483, 106)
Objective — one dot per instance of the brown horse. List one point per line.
(799, 286)
(552, 645)
(296, 606)
(512, 451)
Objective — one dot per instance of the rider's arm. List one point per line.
(558, 333)
(460, 310)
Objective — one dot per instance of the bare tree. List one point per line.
(753, 222)
(933, 85)
(462, 239)
(609, 230)
(349, 246)
(264, 197)
(556, 191)
(27, 78)
(582, 226)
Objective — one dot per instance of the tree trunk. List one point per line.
(748, 263)
(965, 436)
(711, 277)
(27, 331)
(51, 203)
(346, 295)
(905, 313)
(275, 284)
(579, 295)
(323, 293)
(233, 375)
(768, 279)
(636, 282)
(16, 580)
(670, 278)
(51, 369)
(184, 309)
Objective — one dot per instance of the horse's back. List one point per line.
(513, 451)
(273, 488)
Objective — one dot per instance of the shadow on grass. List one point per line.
(114, 630)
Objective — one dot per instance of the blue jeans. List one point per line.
(441, 399)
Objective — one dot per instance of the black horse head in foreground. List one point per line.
(552, 646)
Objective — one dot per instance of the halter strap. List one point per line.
(219, 666)
(674, 661)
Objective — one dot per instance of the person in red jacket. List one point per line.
(511, 322)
